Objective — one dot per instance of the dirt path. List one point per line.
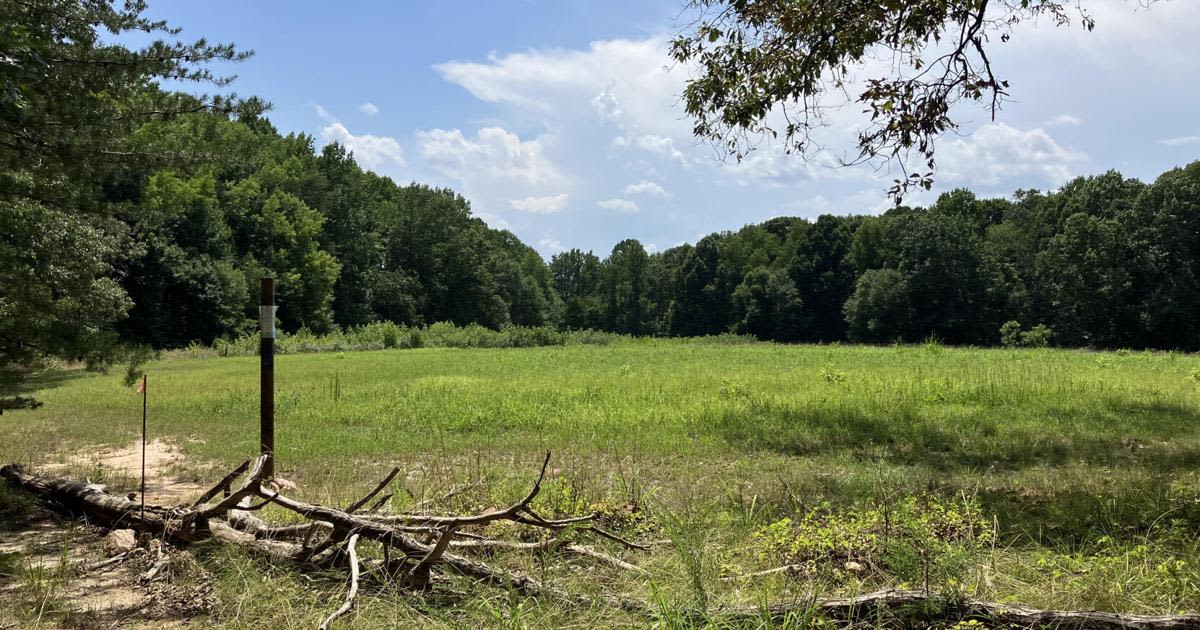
(42, 556)
(125, 464)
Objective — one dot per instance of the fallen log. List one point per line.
(230, 520)
(909, 604)
(328, 531)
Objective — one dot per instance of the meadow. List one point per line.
(1052, 478)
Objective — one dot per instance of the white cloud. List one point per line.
(324, 113)
(650, 248)
(368, 108)
(606, 105)
(494, 221)
(371, 152)
(551, 244)
(493, 152)
(870, 200)
(548, 204)
(620, 205)
(647, 187)
(621, 79)
(998, 151)
(1179, 141)
(1148, 40)
(659, 145)
(1064, 120)
(613, 116)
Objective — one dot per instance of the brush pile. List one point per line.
(414, 549)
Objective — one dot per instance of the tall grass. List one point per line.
(1086, 464)
(387, 335)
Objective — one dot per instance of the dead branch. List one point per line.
(224, 483)
(617, 539)
(252, 485)
(379, 503)
(107, 563)
(427, 543)
(449, 494)
(353, 592)
(550, 544)
(511, 513)
(354, 507)
(787, 568)
(160, 562)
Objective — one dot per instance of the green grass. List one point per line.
(1084, 464)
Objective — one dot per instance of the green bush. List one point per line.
(381, 335)
(1010, 334)
(1037, 337)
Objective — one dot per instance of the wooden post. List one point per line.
(266, 353)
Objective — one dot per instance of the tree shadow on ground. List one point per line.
(1158, 437)
(45, 379)
(1140, 454)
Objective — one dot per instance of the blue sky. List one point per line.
(560, 119)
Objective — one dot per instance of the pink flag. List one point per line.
(141, 388)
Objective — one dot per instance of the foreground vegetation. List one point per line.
(1063, 479)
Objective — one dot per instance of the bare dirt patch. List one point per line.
(48, 577)
(163, 460)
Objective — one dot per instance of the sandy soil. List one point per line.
(162, 458)
(52, 555)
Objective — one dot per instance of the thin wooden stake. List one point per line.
(143, 388)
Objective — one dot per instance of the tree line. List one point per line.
(347, 247)
(1105, 261)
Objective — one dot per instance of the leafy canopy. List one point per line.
(765, 68)
(71, 100)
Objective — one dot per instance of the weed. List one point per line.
(920, 540)
(833, 375)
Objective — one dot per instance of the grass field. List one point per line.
(1064, 479)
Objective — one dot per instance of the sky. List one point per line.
(561, 121)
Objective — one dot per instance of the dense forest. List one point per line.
(347, 247)
(1105, 261)
(133, 214)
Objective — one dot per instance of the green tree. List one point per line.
(180, 275)
(823, 275)
(880, 307)
(1083, 274)
(71, 100)
(575, 276)
(1163, 230)
(698, 307)
(938, 256)
(768, 306)
(625, 283)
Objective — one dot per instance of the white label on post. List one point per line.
(266, 320)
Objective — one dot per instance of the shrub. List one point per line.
(920, 540)
(1037, 337)
(380, 335)
(1010, 334)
